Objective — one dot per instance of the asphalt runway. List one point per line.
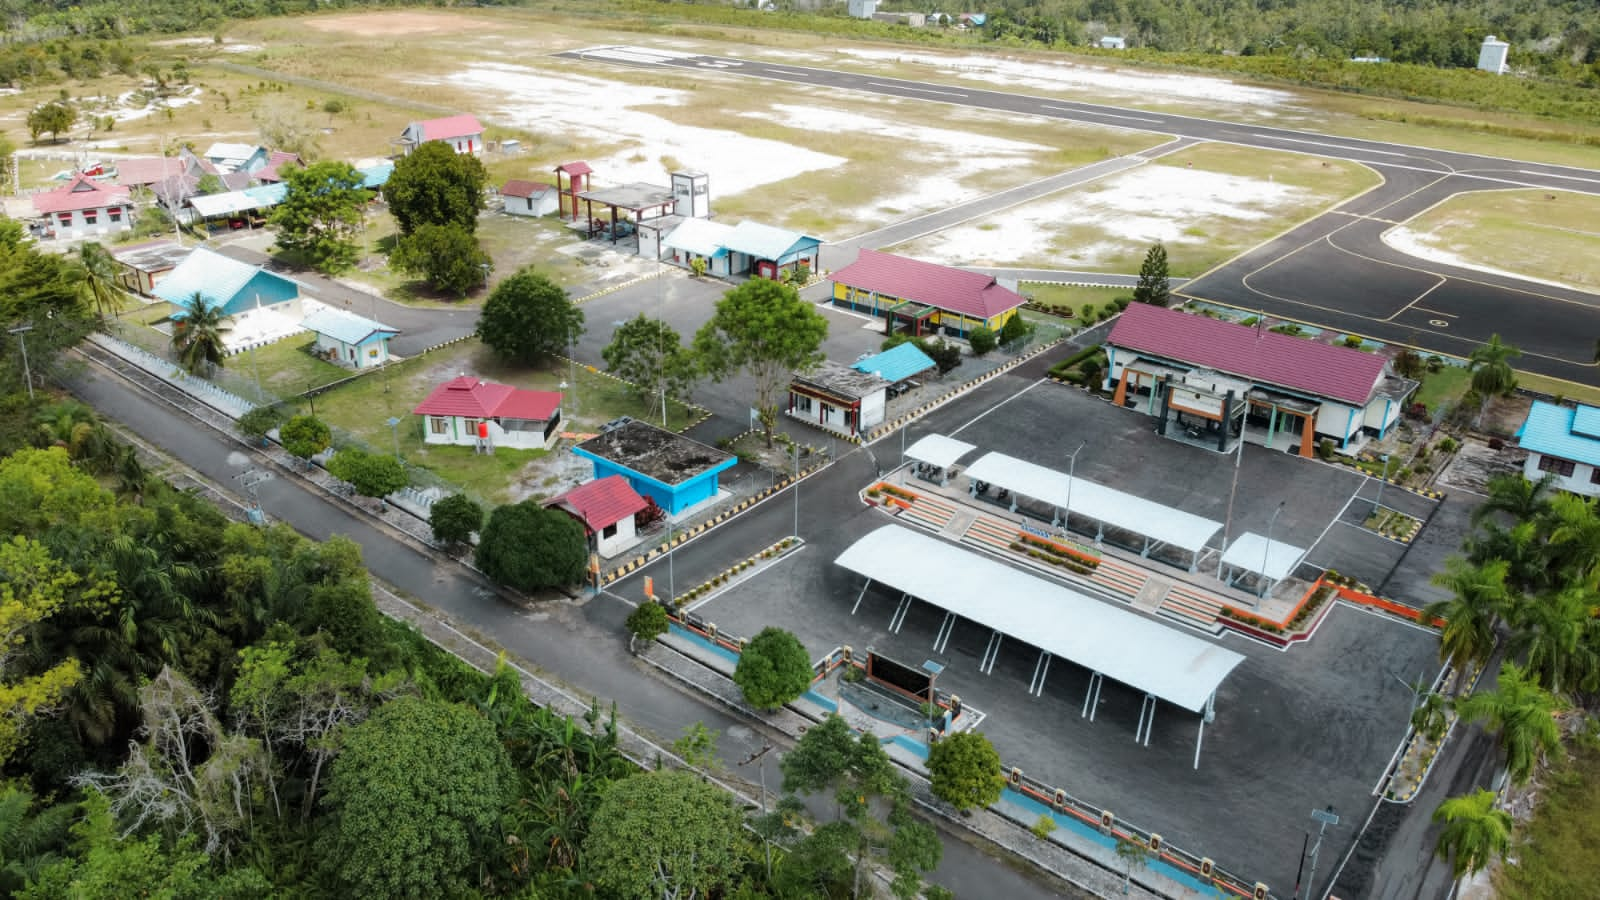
(1333, 271)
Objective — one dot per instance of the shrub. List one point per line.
(1448, 445)
(773, 669)
(1325, 448)
(1043, 827)
(982, 340)
(648, 621)
(259, 420)
(1087, 314)
(454, 519)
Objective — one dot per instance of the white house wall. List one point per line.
(872, 410)
(463, 433)
(611, 546)
(1338, 420)
(78, 226)
(1577, 483)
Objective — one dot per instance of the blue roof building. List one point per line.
(769, 252)
(347, 339)
(225, 283)
(1563, 444)
(675, 471)
(896, 364)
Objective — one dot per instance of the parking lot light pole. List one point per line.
(1266, 551)
(394, 426)
(1072, 467)
(1382, 479)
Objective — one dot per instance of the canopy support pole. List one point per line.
(1147, 720)
(860, 595)
(990, 654)
(899, 617)
(1055, 517)
(1041, 670)
(1209, 714)
(1091, 699)
(942, 638)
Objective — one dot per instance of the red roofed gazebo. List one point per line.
(605, 507)
(572, 179)
(473, 413)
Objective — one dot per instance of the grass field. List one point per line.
(286, 368)
(1444, 386)
(1207, 203)
(1535, 233)
(1069, 296)
(362, 410)
(1554, 853)
(1556, 387)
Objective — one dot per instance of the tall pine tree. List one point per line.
(1154, 287)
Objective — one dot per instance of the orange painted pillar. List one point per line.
(1308, 436)
(1122, 388)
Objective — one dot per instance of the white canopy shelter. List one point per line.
(1164, 663)
(938, 450)
(1160, 525)
(1254, 554)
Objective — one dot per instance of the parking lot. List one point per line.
(1295, 730)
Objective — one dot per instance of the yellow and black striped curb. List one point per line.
(774, 552)
(613, 289)
(696, 530)
(906, 418)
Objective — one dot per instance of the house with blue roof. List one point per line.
(768, 252)
(349, 340)
(897, 364)
(699, 239)
(233, 286)
(1563, 444)
(677, 472)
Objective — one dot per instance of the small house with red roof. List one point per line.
(84, 208)
(919, 297)
(469, 412)
(462, 133)
(606, 508)
(529, 198)
(1218, 380)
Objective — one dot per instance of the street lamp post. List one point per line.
(760, 756)
(21, 331)
(394, 427)
(1382, 479)
(1325, 817)
(1266, 551)
(796, 488)
(485, 268)
(1072, 468)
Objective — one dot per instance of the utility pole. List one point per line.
(21, 331)
(760, 755)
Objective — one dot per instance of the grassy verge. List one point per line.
(287, 367)
(1444, 386)
(1554, 853)
(1539, 234)
(1070, 296)
(363, 408)
(1557, 387)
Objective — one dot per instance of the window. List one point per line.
(802, 403)
(116, 214)
(438, 425)
(610, 531)
(1594, 475)
(1562, 467)
(90, 216)
(64, 218)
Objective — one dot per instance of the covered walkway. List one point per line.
(1253, 554)
(936, 455)
(1158, 525)
(1163, 663)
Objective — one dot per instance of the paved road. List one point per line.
(578, 643)
(1327, 272)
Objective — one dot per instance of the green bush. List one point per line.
(982, 340)
(1087, 314)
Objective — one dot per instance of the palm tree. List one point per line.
(100, 286)
(1474, 831)
(1473, 614)
(1523, 547)
(1574, 532)
(1515, 495)
(1553, 632)
(1491, 370)
(1522, 713)
(197, 335)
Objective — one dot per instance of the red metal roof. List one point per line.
(468, 396)
(1263, 356)
(82, 192)
(957, 290)
(148, 169)
(273, 170)
(519, 188)
(575, 168)
(600, 503)
(450, 127)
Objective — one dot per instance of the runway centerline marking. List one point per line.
(1094, 112)
(903, 87)
(1550, 175)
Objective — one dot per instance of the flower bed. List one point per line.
(1056, 554)
(1313, 600)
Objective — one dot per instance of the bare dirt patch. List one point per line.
(396, 24)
